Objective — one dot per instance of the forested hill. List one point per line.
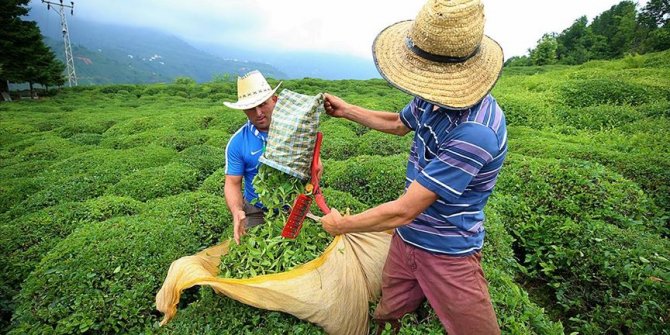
(106, 54)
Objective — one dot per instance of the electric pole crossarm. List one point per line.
(69, 59)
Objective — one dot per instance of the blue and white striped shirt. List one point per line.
(457, 155)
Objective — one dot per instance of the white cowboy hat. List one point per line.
(252, 90)
(442, 56)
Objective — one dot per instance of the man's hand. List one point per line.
(239, 223)
(334, 106)
(331, 222)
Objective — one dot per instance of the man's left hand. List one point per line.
(332, 223)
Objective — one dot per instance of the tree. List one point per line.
(653, 21)
(618, 26)
(545, 52)
(23, 54)
(655, 14)
(575, 43)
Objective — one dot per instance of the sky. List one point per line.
(340, 26)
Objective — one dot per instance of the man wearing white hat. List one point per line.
(257, 99)
(446, 62)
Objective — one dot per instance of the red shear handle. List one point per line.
(318, 196)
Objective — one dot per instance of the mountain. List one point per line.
(105, 53)
(297, 65)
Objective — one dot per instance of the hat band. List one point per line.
(436, 58)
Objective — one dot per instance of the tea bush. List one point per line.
(156, 182)
(576, 189)
(378, 143)
(25, 240)
(164, 136)
(339, 141)
(102, 278)
(599, 117)
(649, 170)
(214, 183)
(205, 158)
(591, 92)
(342, 201)
(371, 179)
(597, 252)
(213, 314)
(86, 139)
(207, 215)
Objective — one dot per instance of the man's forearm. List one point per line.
(234, 198)
(386, 122)
(381, 218)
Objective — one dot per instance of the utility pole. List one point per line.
(69, 60)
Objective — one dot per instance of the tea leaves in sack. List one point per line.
(263, 250)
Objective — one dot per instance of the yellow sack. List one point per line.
(331, 291)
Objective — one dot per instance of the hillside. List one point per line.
(103, 187)
(106, 54)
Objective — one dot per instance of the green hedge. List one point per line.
(641, 164)
(156, 182)
(584, 232)
(102, 279)
(576, 189)
(25, 240)
(207, 214)
(371, 179)
(214, 183)
(382, 144)
(205, 158)
(591, 92)
(339, 141)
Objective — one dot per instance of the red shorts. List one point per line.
(454, 286)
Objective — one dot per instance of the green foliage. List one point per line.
(156, 182)
(263, 250)
(207, 214)
(584, 232)
(601, 188)
(545, 52)
(339, 141)
(615, 33)
(213, 314)
(600, 117)
(593, 92)
(371, 179)
(205, 158)
(576, 189)
(636, 160)
(102, 278)
(214, 183)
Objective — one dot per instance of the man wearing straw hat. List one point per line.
(257, 99)
(444, 60)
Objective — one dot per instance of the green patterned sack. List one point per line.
(290, 145)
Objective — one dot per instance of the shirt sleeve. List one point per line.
(468, 148)
(410, 115)
(234, 159)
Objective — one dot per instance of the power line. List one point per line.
(69, 60)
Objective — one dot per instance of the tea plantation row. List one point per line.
(102, 188)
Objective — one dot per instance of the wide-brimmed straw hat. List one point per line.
(442, 56)
(252, 90)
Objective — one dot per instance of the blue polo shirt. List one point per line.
(242, 153)
(457, 154)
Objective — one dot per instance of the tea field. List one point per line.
(102, 187)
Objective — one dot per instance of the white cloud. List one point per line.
(344, 26)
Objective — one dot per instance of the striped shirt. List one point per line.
(242, 153)
(457, 155)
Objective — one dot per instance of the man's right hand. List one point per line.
(239, 224)
(334, 106)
